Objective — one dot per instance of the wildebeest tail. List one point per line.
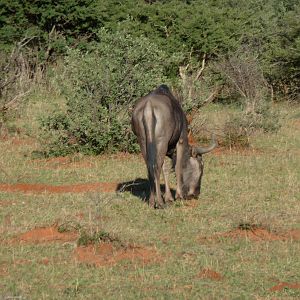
(149, 124)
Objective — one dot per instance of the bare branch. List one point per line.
(212, 96)
(199, 73)
(12, 103)
(25, 41)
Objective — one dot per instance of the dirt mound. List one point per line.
(210, 274)
(256, 233)
(72, 188)
(283, 285)
(105, 254)
(262, 234)
(46, 234)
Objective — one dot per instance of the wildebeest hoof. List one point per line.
(191, 196)
(160, 206)
(179, 197)
(169, 199)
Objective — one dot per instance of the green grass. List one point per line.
(258, 187)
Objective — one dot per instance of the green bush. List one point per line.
(100, 88)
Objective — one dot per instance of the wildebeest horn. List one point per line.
(203, 150)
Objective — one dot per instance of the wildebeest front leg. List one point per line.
(178, 169)
(168, 194)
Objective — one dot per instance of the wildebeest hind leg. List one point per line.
(168, 194)
(161, 151)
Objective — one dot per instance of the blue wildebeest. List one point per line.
(161, 128)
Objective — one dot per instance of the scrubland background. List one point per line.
(74, 221)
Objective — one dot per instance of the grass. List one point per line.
(239, 188)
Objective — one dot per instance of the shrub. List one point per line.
(100, 88)
(244, 77)
(16, 79)
(239, 128)
(96, 237)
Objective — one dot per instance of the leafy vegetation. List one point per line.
(100, 88)
(96, 237)
(192, 45)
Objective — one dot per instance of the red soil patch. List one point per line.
(80, 216)
(46, 234)
(257, 234)
(210, 274)
(72, 188)
(45, 261)
(283, 285)
(293, 234)
(105, 254)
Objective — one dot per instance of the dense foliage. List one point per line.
(215, 27)
(100, 87)
(187, 43)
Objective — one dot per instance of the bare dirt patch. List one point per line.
(106, 254)
(283, 285)
(210, 274)
(71, 188)
(255, 233)
(46, 235)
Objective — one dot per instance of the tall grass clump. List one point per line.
(20, 71)
(100, 87)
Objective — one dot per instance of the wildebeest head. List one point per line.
(193, 171)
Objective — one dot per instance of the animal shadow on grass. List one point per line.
(140, 188)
